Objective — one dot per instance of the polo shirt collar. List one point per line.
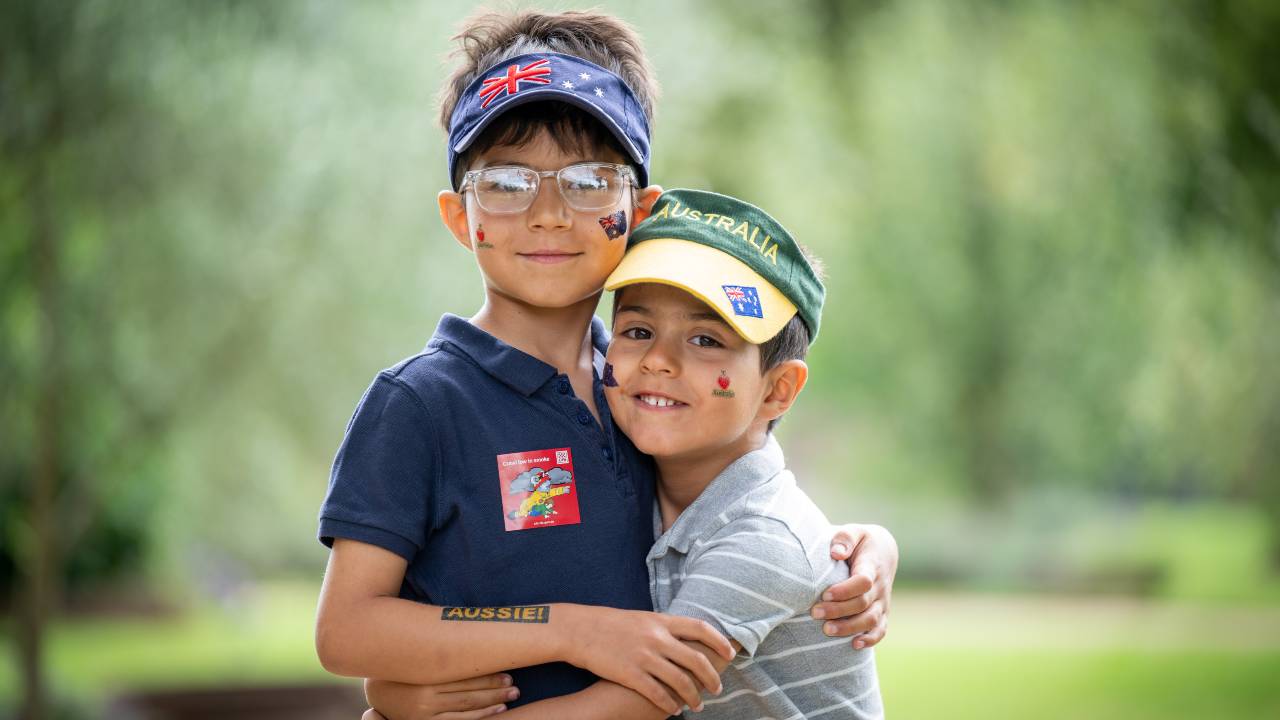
(742, 476)
(521, 371)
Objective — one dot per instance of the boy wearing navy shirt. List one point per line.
(484, 512)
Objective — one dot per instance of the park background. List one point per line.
(1050, 359)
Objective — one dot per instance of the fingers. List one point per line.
(698, 664)
(842, 609)
(864, 622)
(842, 544)
(472, 714)
(470, 700)
(700, 631)
(857, 584)
(654, 692)
(676, 679)
(484, 682)
(874, 636)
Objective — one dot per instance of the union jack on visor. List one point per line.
(550, 76)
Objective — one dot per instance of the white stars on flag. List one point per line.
(599, 92)
(567, 85)
(584, 76)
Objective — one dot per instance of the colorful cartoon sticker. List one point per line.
(609, 380)
(615, 225)
(480, 243)
(537, 489)
(723, 381)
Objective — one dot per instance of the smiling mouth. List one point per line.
(658, 401)
(548, 256)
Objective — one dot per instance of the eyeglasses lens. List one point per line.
(588, 186)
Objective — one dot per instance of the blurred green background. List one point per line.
(1050, 360)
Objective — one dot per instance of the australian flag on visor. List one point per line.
(542, 77)
(744, 299)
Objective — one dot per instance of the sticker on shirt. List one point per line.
(537, 489)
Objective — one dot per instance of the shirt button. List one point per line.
(584, 418)
(564, 387)
(608, 454)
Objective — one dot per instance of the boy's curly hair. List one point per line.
(487, 37)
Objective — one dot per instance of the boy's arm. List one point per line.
(859, 606)
(605, 700)
(462, 700)
(363, 629)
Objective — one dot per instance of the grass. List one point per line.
(985, 683)
(947, 655)
(264, 637)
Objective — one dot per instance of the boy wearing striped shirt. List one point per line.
(716, 307)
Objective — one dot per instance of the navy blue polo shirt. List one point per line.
(478, 464)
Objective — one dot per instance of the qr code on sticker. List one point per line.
(562, 457)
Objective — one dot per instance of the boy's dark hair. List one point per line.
(792, 341)
(487, 38)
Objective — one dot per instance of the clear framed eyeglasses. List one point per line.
(509, 189)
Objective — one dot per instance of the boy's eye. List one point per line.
(636, 333)
(705, 341)
(589, 183)
(504, 180)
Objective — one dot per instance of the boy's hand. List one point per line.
(645, 652)
(462, 700)
(859, 606)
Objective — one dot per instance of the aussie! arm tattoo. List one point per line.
(510, 613)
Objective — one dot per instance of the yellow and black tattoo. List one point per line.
(513, 613)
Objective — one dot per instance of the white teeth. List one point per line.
(657, 401)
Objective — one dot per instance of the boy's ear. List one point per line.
(453, 213)
(783, 385)
(645, 198)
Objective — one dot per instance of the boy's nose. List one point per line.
(548, 211)
(660, 360)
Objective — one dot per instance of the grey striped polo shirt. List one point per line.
(750, 556)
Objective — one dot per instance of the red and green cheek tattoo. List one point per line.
(722, 390)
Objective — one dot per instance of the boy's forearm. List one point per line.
(390, 638)
(604, 700)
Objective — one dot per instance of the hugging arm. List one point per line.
(605, 700)
(363, 629)
(859, 606)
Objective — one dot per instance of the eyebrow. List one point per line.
(504, 162)
(712, 316)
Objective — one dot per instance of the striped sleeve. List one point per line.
(745, 579)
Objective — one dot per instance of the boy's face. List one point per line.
(688, 386)
(550, 255)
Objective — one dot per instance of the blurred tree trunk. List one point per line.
(39, 570)
(981, 408)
